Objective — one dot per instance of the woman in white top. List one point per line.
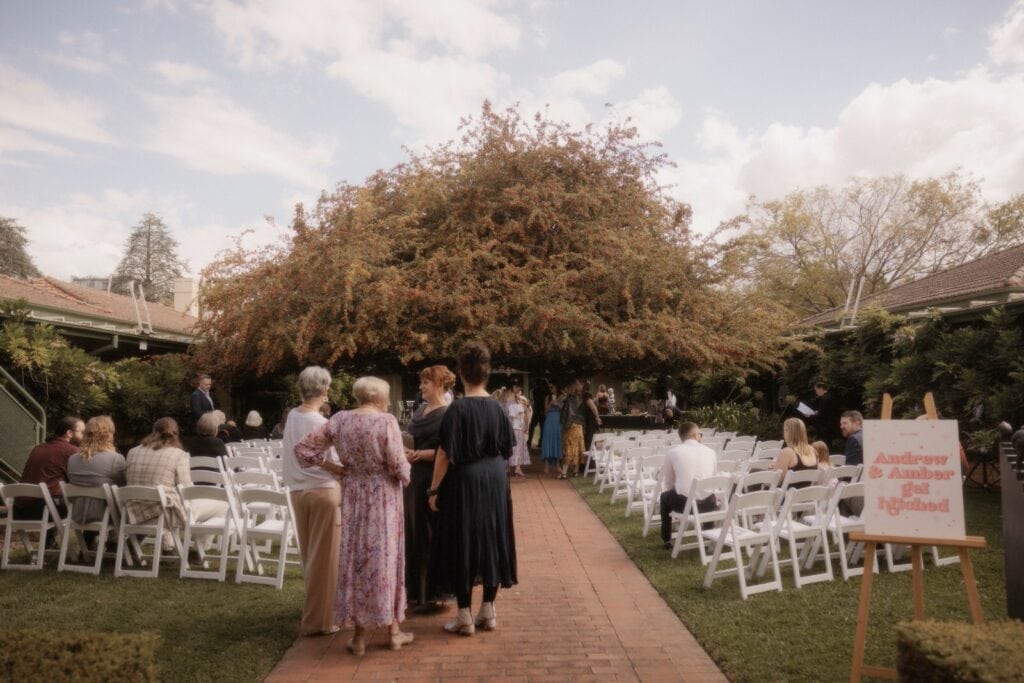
(316, 499)
(518, 420)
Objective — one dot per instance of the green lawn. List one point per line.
(208, 631)
(806, 634)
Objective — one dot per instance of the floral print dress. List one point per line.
(371, 564)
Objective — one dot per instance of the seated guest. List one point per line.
(159, 461)
(797, 454)
(228, 432)
(206, 442)
(253, 429)
(278, 431)
(96, 463)
(822, 454)
(684, 463)
(851, 425)
(48, 464)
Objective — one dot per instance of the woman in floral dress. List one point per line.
(518, 420)
(371, 564)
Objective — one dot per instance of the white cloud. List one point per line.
(181, 73)
(975, 122)
(1007, 38)
(209, 132)
(84, 234)
(15, 140)
(593, 79)
(653, 112)
(85, 52)
(950, 32)
(30, 103)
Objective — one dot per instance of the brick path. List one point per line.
(582, 611)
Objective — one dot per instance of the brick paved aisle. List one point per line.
(582, 611)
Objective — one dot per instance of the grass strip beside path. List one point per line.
(805, 634)
(208, 631)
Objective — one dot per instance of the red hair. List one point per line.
(439, 375)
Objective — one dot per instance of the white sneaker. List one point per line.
(462, 624)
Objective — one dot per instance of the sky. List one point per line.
(221, 115)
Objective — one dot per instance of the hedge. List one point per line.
(943, 651)
(83, 657)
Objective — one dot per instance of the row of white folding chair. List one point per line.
(623, 470)
(48, 521)
(611, 460)
(645, 487)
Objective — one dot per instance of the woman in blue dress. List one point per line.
(551, 441)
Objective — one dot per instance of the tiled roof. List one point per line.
(1000, 271)
(76, 299)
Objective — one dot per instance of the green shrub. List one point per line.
(945, 651)
(742, 418)
(84, 656)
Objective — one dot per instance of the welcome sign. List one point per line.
(912, 479)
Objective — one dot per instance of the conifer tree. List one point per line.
(151, 259)
(14, 260)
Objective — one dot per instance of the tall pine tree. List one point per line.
(151, 259)
(14, 260)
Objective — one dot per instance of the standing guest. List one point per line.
(683, 463)
(371, 570)
(159, 461)
(611, 400)
(826, 413)
(48, 464)
(521, 452)
(424, 427)
(551, 434)
(253, 430)
(470, 492)
(851, 425)
(540, 396)
(572, 420)
(316, 499)
(96, 463)
(202, 400)
(797, 454)
(591, 419)
(206, 442)
(325, 410)
(602, 400)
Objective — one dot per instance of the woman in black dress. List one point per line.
(474, 537)
(423, 427)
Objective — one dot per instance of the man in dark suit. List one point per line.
(826, 414)
(202, 399)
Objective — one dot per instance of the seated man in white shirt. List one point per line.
(683, 463)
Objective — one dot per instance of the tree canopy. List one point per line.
(555, 246)
(14, 260)
(151, 259)
(808, 249)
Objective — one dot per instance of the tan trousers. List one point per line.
(318, 522)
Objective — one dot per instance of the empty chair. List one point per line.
(760, 464)
(260, 532)
(245, 463)
(766, 453)
(733, 454)
(627, 471)
(81, 521)
(207, 478)
(769, 444)
(801, 478)
(202, 529)
(739, 539)
(646, 485)
(806, 534)
(47, 521)
(728, 467)
(204, 463)
(837, 460)
(758, 480)
(840, 525)
(849, 474)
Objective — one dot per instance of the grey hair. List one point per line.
(371, 390)
(313, 381)
(209, 422)
(253, 419)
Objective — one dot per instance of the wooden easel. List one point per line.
(857, 667)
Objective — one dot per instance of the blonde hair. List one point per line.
(795, 434)
(98, 437)
(371, 390)
(821, 451)
(208, 423)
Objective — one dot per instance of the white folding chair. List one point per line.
(220, 528)
(771, 445)
(849, 474)
(760, 464)
(730, 453)
(839, 526)
(646, 483)
(728, 467)
(627, 471)
(210, 462)
(742, 443)
(837, 460)
(49, 520)
(244, 463)
(805, 533)
(800, 478)
(691, 520)
(258, 529)
(103, 527)
(706, 432)
(208, 478)
(138, 535)
(739, 538)
(275, 465)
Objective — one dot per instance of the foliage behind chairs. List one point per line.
(556, 246)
